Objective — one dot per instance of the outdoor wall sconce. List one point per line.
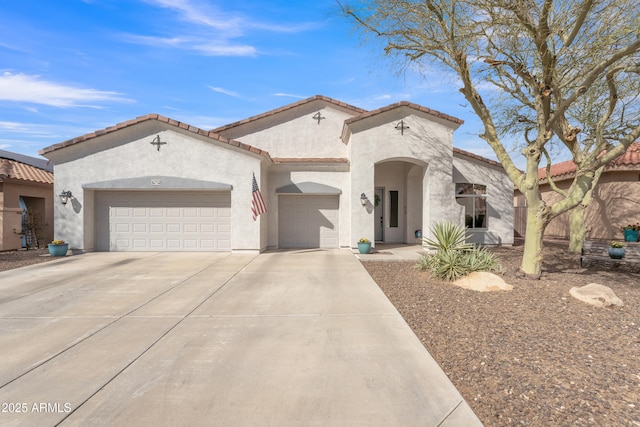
(363, 199)
(401, 127)
(65, 196)
(318, 117)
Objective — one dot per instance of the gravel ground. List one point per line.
(15, 259)
(534, 356)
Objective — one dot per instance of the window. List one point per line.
(474, 199)
(393, 214)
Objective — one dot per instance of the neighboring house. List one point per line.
(330, 173)
(615, 202)
(25, 183)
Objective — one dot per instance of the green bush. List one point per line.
(448, 237)
(454, 257)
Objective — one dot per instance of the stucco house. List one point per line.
(329, 173)
(26, 184)
(615, 201)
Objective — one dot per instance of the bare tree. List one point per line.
(533, 68)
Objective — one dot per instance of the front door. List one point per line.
(378, 214)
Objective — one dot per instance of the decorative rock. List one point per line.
(596, 295)
(482, 281)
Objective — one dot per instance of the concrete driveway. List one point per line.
(164, 339)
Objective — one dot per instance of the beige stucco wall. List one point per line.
(294, 133)
(616, 202)
(129, 154)
(11, 218)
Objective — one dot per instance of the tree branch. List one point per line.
(591, 77)
(584, 11)
(551, 183)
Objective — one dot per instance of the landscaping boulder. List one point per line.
(596, 295)
(482, 281)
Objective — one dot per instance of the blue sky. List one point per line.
(69, 67)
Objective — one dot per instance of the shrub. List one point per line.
(448, 236)
(454, 257)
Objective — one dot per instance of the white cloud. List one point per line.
(31, 131)
(219, 49)
(201, 45)
(289, 95)
(225, 91)
(211, 31)
(32, 89)
(200, 14)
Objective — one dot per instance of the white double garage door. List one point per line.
(163, 221)
(201, 221)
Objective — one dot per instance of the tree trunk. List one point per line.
(537, 216)
(577, 231)
(532, 255)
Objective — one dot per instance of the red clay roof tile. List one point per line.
(356, 110)
(20, 171)
(171, 122)
(406, 104)
(630, 158)
(477, 157)
(310, 160)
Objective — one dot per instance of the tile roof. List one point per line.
(405, 104)
(14, 170)
(214, 134)
(477, 157)
(206, 133)
(310, 160)
(332, 101)
(630, 158)
(27, 160)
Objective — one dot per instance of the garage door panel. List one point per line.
(140, 228)
(308, 221)
(139, 221)
(191, 228)
(123, 243)
(174, 228)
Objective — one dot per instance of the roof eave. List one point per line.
(171, 122)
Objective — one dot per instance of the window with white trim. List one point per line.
(474, 199)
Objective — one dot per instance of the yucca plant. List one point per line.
(480, 259)
(448, 237)
(453, 256)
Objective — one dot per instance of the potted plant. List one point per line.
(364, 245)
(616, 250)
(58, 248)
(631, 232)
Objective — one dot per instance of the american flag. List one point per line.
(257, 202)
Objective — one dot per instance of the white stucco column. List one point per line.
(362, 221)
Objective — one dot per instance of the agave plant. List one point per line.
(448, 237)
(453, 256)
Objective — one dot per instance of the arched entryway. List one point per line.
(398, 201)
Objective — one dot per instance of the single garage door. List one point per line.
(163, 221)
(308, 221)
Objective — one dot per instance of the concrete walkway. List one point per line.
(393, 252)
(168, 339)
